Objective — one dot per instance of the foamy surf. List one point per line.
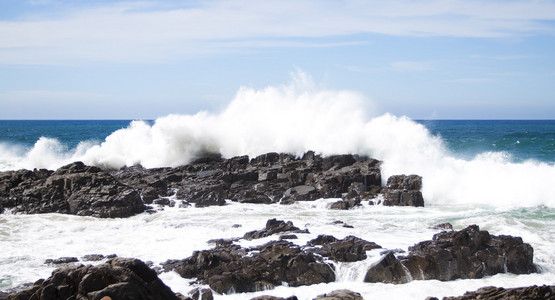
(28, 240)
(301, 116)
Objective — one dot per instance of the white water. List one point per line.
(489, 190)
(28, 240)
(298, 117)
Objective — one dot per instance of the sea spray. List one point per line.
(301, 116)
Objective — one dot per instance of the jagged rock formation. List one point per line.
(229, 268)
(340, 295)
(269, 178)
(349, 249)
(403, 190)
(73, 189)
(534, 292)
(119, 278)
(274, 226)
(468, 253)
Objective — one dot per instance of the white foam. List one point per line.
(28, 240)
(301, 116)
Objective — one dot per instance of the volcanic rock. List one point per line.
(349, 249)
(467, 254)
(120, 278)
(269, 178)
(61, 260)
(387, 270)
(73, 189)
(340, 295)
(403, 190)
(273, 226)
(523, 293)
(230, 268)
(267, 297)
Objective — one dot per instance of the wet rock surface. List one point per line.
(340, 295)
(73, 189)
(349, 249)
(119, 278)
(269, 178)
(465, 254)
(403, 190)
(494, 293)
(274, 226)
(229, 268)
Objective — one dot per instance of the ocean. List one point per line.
(497, 174)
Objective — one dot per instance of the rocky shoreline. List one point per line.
(227, 267)
(230, 268)
(270, 178)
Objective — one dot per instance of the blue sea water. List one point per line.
(497, 174)
(70, 133)
(521, 139)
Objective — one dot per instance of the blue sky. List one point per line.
(431, 59)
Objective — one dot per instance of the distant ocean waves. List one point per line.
(499, 163)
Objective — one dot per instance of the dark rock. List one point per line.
(229, 268)
(93, 257)
(466, 254)
(120, 278)
(61, 260)
(403, 190)
(73, 189)
(345, 204)
(388, 270)
(273, 226)
(266, 297)
(443, 226)
(494, 293)
(210, 180)
(288, 237)
(349, 249)
(301, 193)
(340, 295)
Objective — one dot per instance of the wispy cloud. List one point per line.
(503, 57)
(411, 66)
(153, 32)
(46, 96)
(470, 80)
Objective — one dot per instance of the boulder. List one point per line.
(73, 189)
(387, 270)
(403, 190)
(340, 295)
(349, 249)
(493, 293)
(207, 181)
(120, 278)
(274, 226)
(229, 268)
(267, 297)
(466, 254)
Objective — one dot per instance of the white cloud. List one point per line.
(470, 80)
(148, 32)
(37, 96)
(411, 66)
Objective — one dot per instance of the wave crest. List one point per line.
(297, 117)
